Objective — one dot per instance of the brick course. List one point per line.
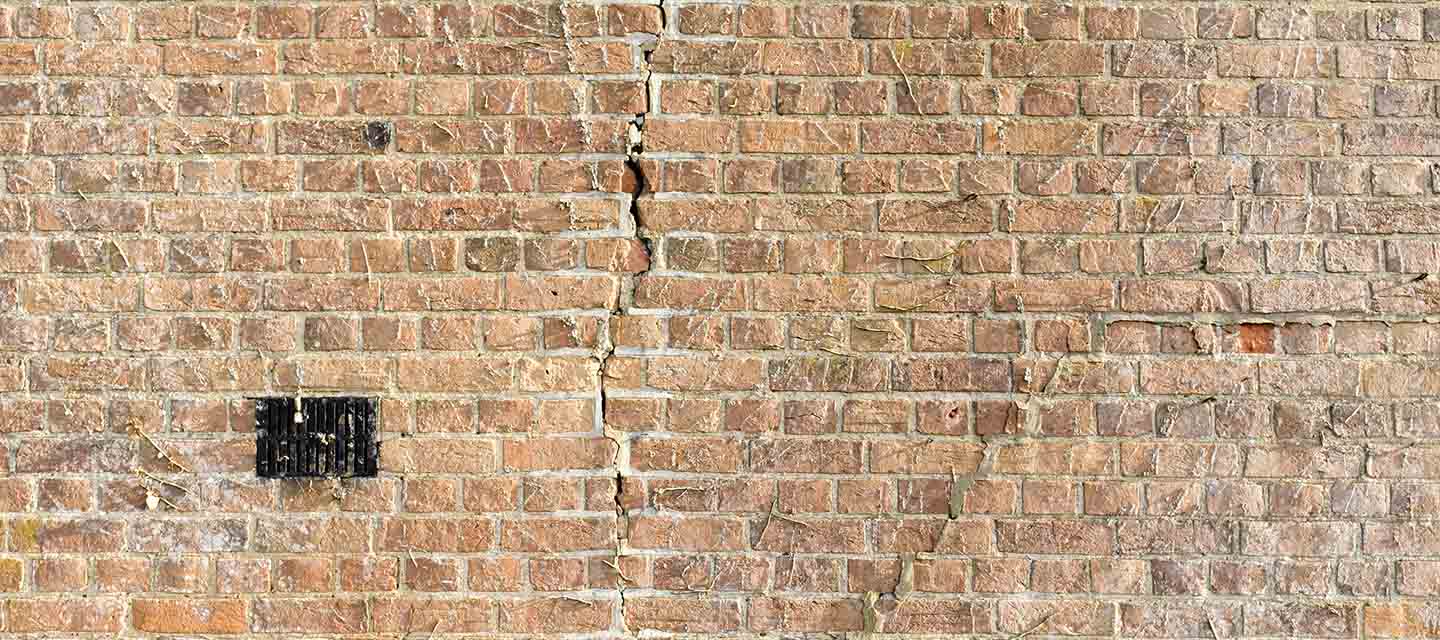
(1095, 319)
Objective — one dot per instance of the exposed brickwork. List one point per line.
(1104, 320)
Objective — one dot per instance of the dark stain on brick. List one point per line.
(377, 134)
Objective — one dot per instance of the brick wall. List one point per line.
(1102, 319)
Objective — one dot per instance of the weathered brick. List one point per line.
(1048, 59)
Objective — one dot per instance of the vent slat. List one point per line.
(263, 456)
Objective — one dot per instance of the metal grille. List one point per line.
(330, 438)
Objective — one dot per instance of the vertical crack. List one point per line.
(638, 186)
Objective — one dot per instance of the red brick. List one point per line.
(551, 535)
(679, 615)
(189, 616)
(797, 136)
(1048, 59)
(68, 615)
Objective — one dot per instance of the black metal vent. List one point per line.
(329, 438)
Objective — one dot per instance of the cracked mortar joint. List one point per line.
(635, 148)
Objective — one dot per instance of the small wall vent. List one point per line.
(321, 438)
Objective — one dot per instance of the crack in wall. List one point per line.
(635, 148)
